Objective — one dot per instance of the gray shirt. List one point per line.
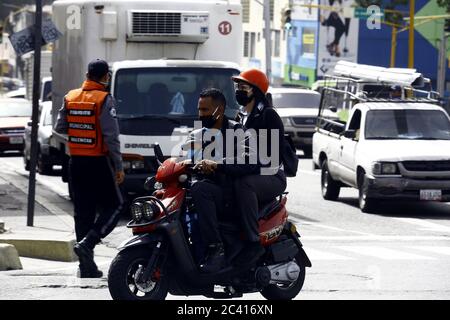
(108, 124)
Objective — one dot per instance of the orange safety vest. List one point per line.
(84, 107)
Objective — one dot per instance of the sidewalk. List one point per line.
(52, 236)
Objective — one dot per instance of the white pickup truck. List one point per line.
(387, 150)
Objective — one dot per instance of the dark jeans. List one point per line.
(250, 191)
(94, 190)
(208, 201)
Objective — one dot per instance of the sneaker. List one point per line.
(215, 259)
(250, 254)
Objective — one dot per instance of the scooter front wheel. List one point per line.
(125, 273)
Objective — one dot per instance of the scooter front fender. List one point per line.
(140, 240)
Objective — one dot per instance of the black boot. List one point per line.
(89, 271)
(85, 252)
(250, 254)
(215, 259)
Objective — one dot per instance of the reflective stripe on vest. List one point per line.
(84, 108)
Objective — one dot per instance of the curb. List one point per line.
(56, 250)
(9, 258)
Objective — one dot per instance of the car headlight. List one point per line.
(387, 168)
(286, 121)
(126, 165)
(137, 165)
(137, 211)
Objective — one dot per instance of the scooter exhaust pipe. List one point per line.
(283, 273)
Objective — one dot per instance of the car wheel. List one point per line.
(366, 204)
(330, 187)
(43, 166)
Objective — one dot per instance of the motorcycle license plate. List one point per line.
(431, 195)
(15, 140)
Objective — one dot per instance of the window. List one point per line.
(245, 11)
(249, 44)
(407, 125)
(169, 91)
(276, 38)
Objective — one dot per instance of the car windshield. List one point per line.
(407, 124)
(169, 91)
(296, 100)
(15, 109)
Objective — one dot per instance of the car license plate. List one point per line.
(431, 195)
(15, 140)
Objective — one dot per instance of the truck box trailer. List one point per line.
(161, 53)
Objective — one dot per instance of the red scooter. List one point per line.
(163, 255)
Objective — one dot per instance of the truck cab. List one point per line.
(157, 102)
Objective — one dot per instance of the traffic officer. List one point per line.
(88, 117)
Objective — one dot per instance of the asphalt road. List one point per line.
(401, 252)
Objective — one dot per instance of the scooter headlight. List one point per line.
(137, 211)
(149, 210)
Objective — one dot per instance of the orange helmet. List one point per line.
(255, 78)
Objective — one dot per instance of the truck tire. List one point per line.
(43, 167)
(308, 152)
(366, 204)
(330, 187)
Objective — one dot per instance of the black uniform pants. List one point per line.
(250, 191)
(208, 201)
(94, 191)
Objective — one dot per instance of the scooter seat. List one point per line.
(267, 208)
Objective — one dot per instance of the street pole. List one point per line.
(268, 36)
(441, 64)
(393, 46)
(34, 117)
(412, 6)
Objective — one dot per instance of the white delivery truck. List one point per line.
(46, 73)
(162, 54)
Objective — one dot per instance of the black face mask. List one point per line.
(242, 98)
(209, 121)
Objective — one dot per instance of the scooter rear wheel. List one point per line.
(123, 277)
(279, 292)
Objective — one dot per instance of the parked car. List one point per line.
(14, 115)
(48, 156)
(19, 93)
(298, 109)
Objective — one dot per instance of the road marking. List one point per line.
(426, 225)
(313, 173)
(438, 250)
(374, 238)
(383, 253)
(315, 255)
(300, 224)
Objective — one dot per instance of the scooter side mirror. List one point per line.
(149, 184)
(158, 152)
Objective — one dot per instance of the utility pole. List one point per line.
(441, 64)
(393, 46)
(412, 8)
(268, 36)
(34, 117)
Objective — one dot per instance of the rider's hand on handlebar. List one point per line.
(206, 166)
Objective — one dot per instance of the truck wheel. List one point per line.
(330, 187)
(44, 167)
(308, 152)
(366, 204)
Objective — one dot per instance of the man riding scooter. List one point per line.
(213, 192)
